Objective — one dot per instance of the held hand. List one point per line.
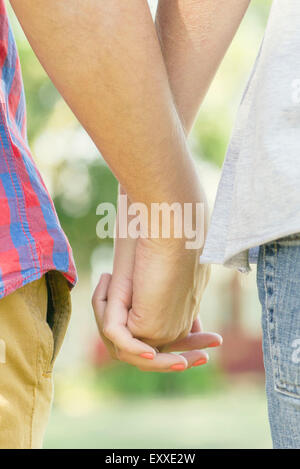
(153, 360)
(150, 305)
(168, 284)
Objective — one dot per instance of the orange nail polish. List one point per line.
(215, 344)
(200, 362)
(147, 355)
(178, 367)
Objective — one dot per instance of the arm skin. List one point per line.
(97, 53)
(194, 37)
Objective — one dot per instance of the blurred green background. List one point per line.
(100, 404)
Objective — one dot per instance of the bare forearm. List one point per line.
(105, 59)
(194, 36)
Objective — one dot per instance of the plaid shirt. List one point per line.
(32, 241)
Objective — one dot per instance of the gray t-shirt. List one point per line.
(258, 198)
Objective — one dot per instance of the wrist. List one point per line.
(181, 222)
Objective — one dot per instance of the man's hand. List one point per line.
(98, 55)
(137, 354)
(168, 283)
(194, 37)
(113, 304)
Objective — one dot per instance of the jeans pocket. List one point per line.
(282, 306)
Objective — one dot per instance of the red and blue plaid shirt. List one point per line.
(32, 241)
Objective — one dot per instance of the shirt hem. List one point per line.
(232, 261)
(15, 285)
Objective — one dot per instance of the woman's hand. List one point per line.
(150, 304)
(138, 354)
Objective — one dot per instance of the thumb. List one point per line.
(99, 302)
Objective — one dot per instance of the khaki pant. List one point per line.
(33, 322)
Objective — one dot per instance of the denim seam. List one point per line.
(277, 355)
(266, 305)
(271, 348)
(271, 324)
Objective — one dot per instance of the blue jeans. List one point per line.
(278, 280)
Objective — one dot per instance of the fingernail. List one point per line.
(147, 355)
(200, 362)
(215, 344)
(178, 367)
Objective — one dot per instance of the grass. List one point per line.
(235, 417)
